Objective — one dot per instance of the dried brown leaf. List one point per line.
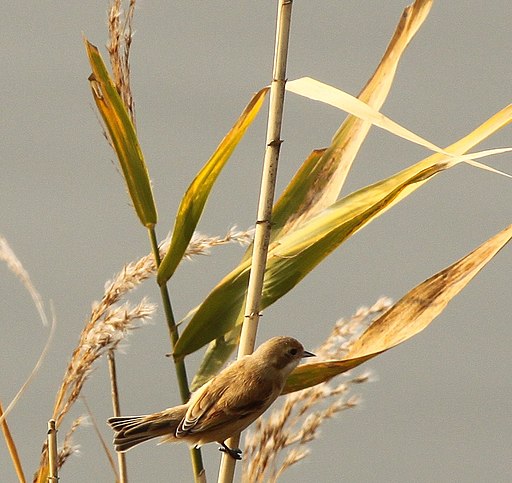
(409, 316)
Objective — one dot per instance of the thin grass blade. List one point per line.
(11, 446)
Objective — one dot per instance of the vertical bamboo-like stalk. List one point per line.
(121, 458)
(266, 200)
(53, 469)
(181, 373)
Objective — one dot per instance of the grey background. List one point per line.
(438, 408)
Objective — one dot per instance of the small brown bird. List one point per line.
(225, 405)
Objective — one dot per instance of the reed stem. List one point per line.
(53, 468)
(179, 364)
(266, 201)
(116, 407)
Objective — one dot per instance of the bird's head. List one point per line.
(283, 354)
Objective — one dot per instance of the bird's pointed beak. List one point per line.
(308, 354)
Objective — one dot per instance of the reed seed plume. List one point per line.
(134, 273)
(120, 39)
(68, 447)
(103, 332)
(280, 440)
(201, 244)
(345, 332)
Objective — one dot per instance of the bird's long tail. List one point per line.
(133, 430)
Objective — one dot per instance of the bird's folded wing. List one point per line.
(219, 404)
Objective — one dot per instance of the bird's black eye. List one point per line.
(293, 352)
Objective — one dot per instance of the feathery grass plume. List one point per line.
(289, 428)
(134, 273)
(120, 39)
(345, 332)
(68, 447)
(103, 332)
(106, 328)
(201, 244)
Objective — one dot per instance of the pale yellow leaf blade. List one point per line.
(425, 302)
(316, 90)
(409, 316)
(319, 181)
(319, 91)
(195, 198)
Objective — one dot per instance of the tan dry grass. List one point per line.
(11, 447)
(8, 256)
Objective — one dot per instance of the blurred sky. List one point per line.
(438, 408)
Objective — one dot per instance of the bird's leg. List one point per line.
(235, 453)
